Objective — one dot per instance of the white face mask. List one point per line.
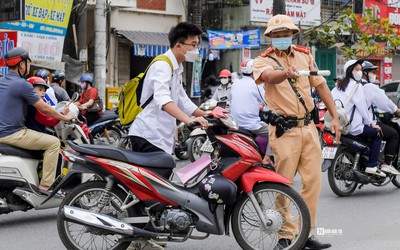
(357, 74)
(191, 55)
(372, 77)
(224, 81)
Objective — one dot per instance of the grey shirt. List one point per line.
(16, 94)
(60, 93)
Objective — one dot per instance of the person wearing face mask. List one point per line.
(294, 141)
(87, 99)
(154, 127)
(361, 122)
(377, 100)
(223, 92)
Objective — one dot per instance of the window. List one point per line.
(391, 87)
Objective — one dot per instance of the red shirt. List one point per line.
(91, 94)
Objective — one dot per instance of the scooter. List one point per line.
(345, 163)
(107, 129)
(135, 200)
(20, 168)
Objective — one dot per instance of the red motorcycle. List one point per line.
(133, 199)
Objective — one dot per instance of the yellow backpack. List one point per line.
(129, 98)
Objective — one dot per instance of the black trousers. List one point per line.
(140, 144)
(391, 137)
(91, 117)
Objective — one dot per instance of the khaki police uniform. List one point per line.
(298, 149)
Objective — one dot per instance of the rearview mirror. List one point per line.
(75, 97)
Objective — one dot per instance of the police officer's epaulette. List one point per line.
(265, 53)
(299, 48)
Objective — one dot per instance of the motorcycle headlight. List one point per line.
(230, 122)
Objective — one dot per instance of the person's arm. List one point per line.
(278, 76)
(326, 96)
(49, 111)
(172, 109)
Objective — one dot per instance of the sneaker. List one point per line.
(283, 244)
(375, 171)
(144, 245)
(389, 169)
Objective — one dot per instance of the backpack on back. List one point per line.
(129, 98)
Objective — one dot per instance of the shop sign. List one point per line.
(305, 12)
(233, 39)
(8, 40)
(44, 16)
(41, 46)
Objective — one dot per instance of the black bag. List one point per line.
(97, 106)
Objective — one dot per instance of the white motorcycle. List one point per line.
(198, 143)
(20, 169)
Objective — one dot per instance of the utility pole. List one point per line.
(100, 26)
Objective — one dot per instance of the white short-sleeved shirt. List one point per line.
(153, 123)
(376, 96)
(361, 116)
(246, 97)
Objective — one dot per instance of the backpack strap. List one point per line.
(157, 58)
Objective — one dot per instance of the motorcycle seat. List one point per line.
(6, 149)
(106, 116)
(148, 159)
(246, 132)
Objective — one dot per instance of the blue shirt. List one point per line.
(246, 97)
(15, 96)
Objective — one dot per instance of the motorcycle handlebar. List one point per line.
(314, 73)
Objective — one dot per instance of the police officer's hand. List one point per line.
(292, 73)
(335, 128)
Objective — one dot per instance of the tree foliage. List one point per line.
(358, 37)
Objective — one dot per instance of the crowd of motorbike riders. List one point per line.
(22, 123)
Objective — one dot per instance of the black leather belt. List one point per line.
(292, 122)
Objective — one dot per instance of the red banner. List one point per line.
(8, 40)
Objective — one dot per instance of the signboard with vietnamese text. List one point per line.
(44, 16)
(8, 40)
(233, 39)
(12, 10)
(305, 12)
(196, 78)
(41, 46)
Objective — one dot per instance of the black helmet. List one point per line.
(58, 76)
(43, 73)
(15, 56)
(368, 66)
(218, 190)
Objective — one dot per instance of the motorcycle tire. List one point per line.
(246, 223)
(194, 146)
(396, 180)
(114, 135)
(87, 195)
(181, 154)
(338, 185)
(125, 143)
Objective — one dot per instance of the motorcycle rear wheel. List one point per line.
(336, 180)
(246, 223)
(114, 135)
(87, 195)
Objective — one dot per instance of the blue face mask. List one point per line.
(281, 43)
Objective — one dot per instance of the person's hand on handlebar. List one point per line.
(203, 122)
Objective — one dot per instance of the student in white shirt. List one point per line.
(246, 97)
(374, 96)
(361, 124)
(154, 128)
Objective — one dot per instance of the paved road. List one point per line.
(368, 220)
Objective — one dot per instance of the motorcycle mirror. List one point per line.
(75, 97)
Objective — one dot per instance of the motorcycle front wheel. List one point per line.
(341, 164)
(194, 146)
(286, 214)
(88, 196)
(114, 135)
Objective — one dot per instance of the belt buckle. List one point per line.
(301, 123)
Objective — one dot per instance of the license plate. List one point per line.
(329, 152)
(207, 146)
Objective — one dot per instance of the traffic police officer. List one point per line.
(295, 142)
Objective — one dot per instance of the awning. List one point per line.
(152, 44)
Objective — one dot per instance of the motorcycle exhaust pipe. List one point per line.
(102, 221)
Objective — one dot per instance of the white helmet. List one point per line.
(351, 63)
(247, 66)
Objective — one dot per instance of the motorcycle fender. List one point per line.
(326, 163)
(258, 174)
(197, 131)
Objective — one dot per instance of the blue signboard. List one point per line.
(234, 39)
